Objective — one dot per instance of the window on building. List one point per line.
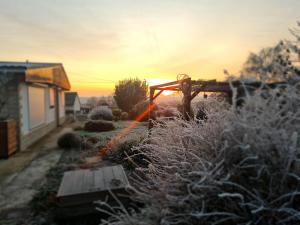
(36, 97)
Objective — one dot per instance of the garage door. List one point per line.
(36, 106)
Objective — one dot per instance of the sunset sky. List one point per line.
(102, 41)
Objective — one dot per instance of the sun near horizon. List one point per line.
(101, 42)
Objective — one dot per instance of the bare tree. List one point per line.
(275, 64)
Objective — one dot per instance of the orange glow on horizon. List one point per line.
(157, 81)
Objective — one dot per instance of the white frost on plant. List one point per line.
(101, 112)
(236, 166)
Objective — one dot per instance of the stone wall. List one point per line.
(9, 95)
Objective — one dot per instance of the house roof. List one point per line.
(70, 98)
(27, 65)
(36, 72)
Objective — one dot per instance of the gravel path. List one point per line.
(22, 174)
(18, 189)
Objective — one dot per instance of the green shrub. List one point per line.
(98, 126)
(69, 141)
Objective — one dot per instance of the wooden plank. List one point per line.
(8, 138)
(108, 176)
(166, 84)
(65, 184)
(83, 186)
(88, 181)
(157, 94)
(119, 174)
(174, 88)
(99, 183)
(78, 178)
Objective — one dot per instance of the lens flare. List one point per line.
(104, 150)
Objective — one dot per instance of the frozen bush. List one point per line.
(125, 154)
(117, 113)
(238, 166)
(69, 141)
(124, 116)
(139, 109)
(77, 128)
(207, 106)
(101, 113)
(98, 126)
(168, 112)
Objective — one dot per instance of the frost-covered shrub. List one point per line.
(139, 109)
(124, 116)
(98, 126)
(168, 112)
(238, 166)
(69, 141)
(207, 105)
(125, 154)
(117, 113)
(101, 113)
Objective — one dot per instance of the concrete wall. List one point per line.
(9, 86)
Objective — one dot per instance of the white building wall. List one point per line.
(61, 101)
(77, 105)
(24, 110)
(50, 109)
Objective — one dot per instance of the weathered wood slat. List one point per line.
(8, 138)
(120, 175)
(83, 187)
(108, 176)
(99, 184)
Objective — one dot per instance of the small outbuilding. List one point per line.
(32, 94)
(72, 103)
